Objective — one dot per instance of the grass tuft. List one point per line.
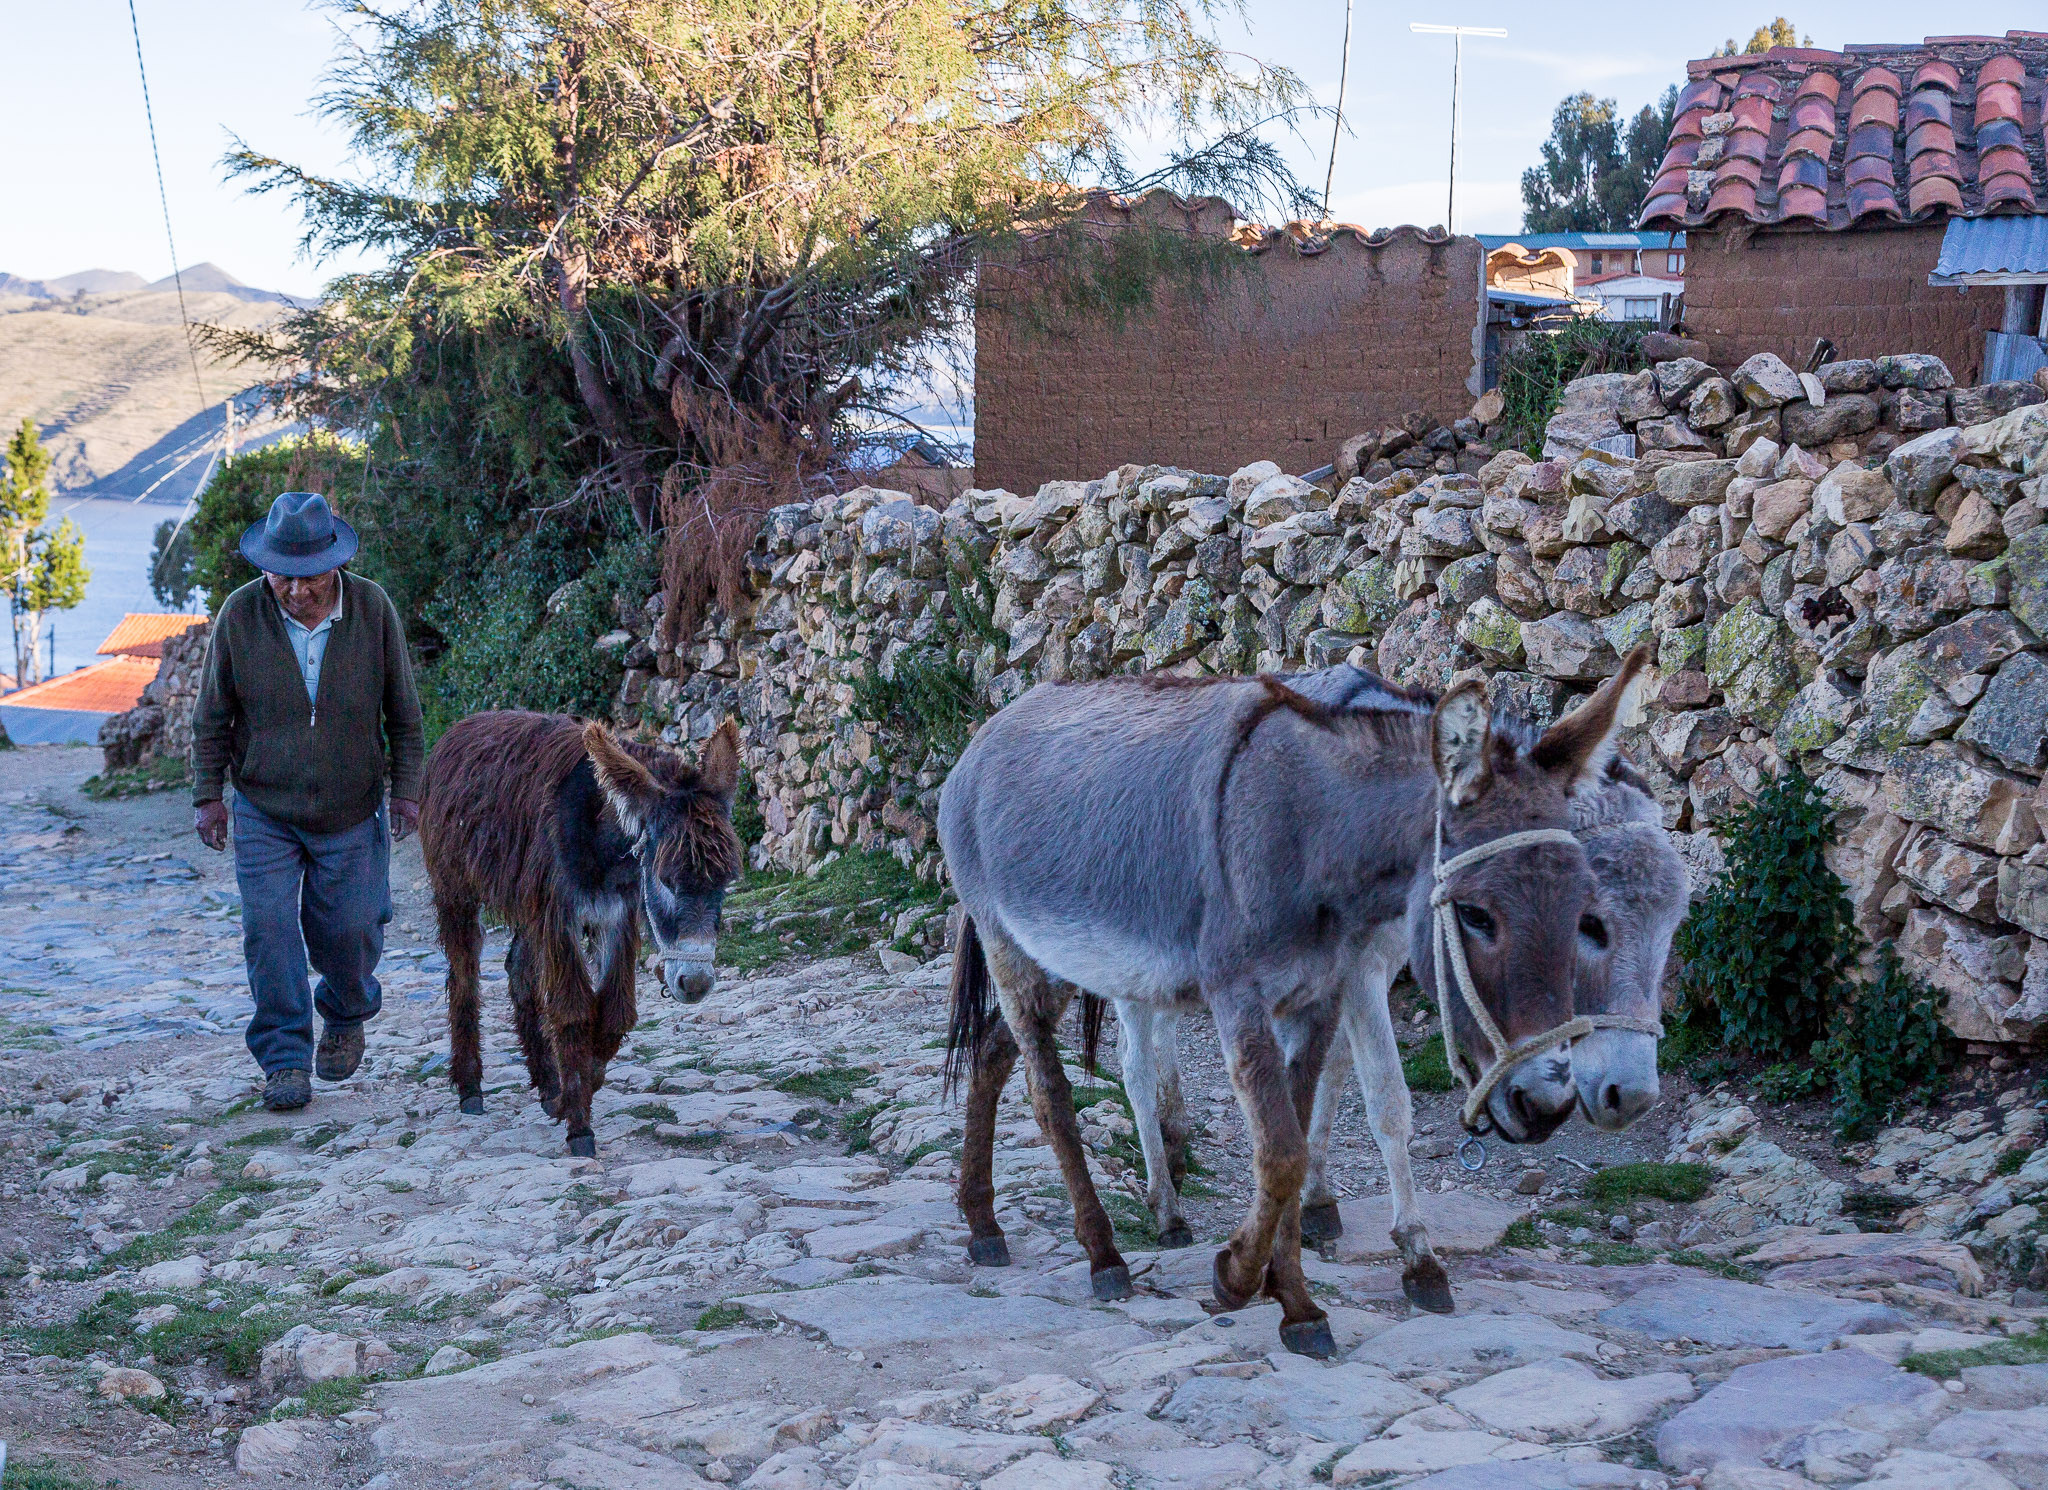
(1426, 1068)
(722, 1317)
(1675, 1182)
(834, 1084)
(2018, 1350)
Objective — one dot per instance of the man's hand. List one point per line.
(210, 822)
(405, 817)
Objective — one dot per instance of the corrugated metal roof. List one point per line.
(1651, 239)
(1992, 245)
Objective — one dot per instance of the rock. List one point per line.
(265, 1450)
(1806, 1246)
(864, 1239)
(1048, 1472)
(1713, 404)
(879, 1313)
(1780, 505)
(1569, 647)
(1685, 551)
(2015, 1443)
(1038, 1402)
(1276, 498)
(128, 1383)
(1851, 493)
(1957, 877)
(1677, 378)
(2023, 893)
(1458, 1221)
(1977, 970)
(1693, 483)
(2010, 721)
(1563, 1399)
(448, 1358)
(615, 1466)
(1727, 1314)
(1761, 1406)
(1914, 370)
(1765, 382)
(179, 1273)
(1492, 631)
(897, 528)
(1978, 806)
(1334, 1403)
(1461, 1342)
(1817, 425)
(2026, 561)
(1587, 410)
(1747, 659)
(1920, 468)
(964, 1451)
(1425, 1453)
(1976, 531)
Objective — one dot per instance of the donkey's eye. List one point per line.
(1593, 929)
(1473, 919)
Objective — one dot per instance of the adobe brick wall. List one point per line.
(1282, 362)
(1866, 289)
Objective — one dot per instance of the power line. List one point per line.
(164, 198)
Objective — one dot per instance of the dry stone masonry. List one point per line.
(1846, 568)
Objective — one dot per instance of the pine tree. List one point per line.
(42, 569)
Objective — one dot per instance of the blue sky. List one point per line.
(80, 192)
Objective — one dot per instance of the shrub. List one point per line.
(929, 696)
(1888, 1049)
(241, 491)
(1534, 374)
(1767, 949)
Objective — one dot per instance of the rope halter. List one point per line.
(1449, 949)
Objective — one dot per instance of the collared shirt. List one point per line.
(309, 646)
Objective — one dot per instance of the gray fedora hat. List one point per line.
(300, 537)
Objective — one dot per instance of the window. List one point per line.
(1596, 265)
(1674, 263)
(1633, 309)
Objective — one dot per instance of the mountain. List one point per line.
(95, 282)
(205, 278)
(107, 375)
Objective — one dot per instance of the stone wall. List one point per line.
(1866, 290)
(1309, 340)
(1849, 570)
(159, 727)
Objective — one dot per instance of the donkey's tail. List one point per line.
(1092, 1010)
(974, 1005)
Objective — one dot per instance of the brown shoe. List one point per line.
(340, 1052)
(287, 1090)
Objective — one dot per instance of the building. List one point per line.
(1816, 189)
(1627, 276)
(70, 709)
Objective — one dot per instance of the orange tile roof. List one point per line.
(144, 635)
(1894, 133)
(111, 687)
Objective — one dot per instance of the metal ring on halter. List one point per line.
(1472, 1166)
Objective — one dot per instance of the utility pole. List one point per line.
(1337, 129)
(1457, 35)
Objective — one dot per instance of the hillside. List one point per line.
(98, 359)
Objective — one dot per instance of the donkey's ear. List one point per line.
(1461, 733)
(629, 786)
(1579, 747)
(718, 766)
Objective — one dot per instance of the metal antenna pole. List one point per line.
(1457, 35)
(1337, 129)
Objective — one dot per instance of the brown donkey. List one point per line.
(1249, 848)
(568, 834)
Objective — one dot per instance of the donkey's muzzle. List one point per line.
(688, 978)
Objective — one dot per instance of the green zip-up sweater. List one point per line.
(318, 765)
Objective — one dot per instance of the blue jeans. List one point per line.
(322, 898)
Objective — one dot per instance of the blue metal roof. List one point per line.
(1578, 241)
(2000, 246)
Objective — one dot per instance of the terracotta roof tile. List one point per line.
(1953, 125)
(143, 634)
(111, 687)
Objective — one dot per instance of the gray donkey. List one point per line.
(1237, 843)
(1639, 898)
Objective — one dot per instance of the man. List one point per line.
(306, 705)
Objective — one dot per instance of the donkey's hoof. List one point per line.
(1227, 1298)
(1110, 1284)
(473, 1104)
(583, 1145)
(1176, 1235)
(1429, 1287)
(988, 1252)
(1320, 1223)
(1311, 1338)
